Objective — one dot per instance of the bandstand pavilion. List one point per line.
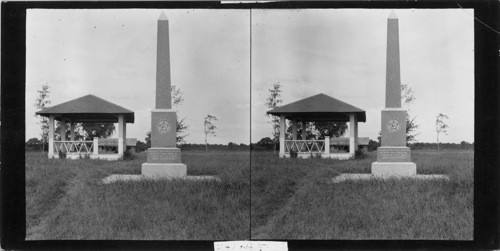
(320, 107)
(91, 109)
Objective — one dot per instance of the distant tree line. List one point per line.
(265, 144)
(442, 146)
(464, 145)
(215, 147)
(231, 146)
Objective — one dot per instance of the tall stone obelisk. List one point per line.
(393, 156)
(163, 158)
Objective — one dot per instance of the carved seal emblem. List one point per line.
(393, 125)
(163, 127)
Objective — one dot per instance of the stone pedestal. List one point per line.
(396, 169)
(393, 157)
(393, 161)
(158, 170)
(163, 158)
(163, 162)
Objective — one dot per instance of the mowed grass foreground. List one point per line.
(295, 199)
(66, 199)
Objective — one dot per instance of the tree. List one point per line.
(177, 98)
(148, 139)
(232, 145)
(465, 145)
(320, 129)
(265, 142)
(373, 145)
(79, 133)
(100, 130)
(181, 128)
(331, 129)
(140, 146)
(209, 128)
(408, 97)
(42, 102)
(407, 94)
(34, 143)
(272, 102)
(441, 126)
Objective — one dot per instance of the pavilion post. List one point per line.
(282, 136)
(72, 134)
(327, 144)
(96, 145)
(72, 130)
(124, 134)
(62, 130)
(304, 133)
(51, 136)
(121, 134)
(355, 133)
(352, 121)
(294, 129)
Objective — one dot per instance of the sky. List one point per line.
(112, 54)
(339, 52)
(342, 53)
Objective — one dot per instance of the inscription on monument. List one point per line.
(164, 155)
(393, 154)
(163, 127)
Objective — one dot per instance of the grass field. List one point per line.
(290, 199)
(294, 199)
(65, 199)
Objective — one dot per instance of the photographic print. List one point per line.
(137, 124)
(261, 124)
(363, 124)
(216, 125)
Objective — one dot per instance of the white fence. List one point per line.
(305, 146)
(77, 147)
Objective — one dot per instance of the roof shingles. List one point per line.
(88, 108)
(319, 107)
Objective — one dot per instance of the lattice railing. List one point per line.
(85, 147)
(305, 146)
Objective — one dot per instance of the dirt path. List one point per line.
(264, 231)
(37, 231)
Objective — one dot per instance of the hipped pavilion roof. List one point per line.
(88, 108)
(320, 107)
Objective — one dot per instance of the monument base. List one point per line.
(152, 170)
(400, 169)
